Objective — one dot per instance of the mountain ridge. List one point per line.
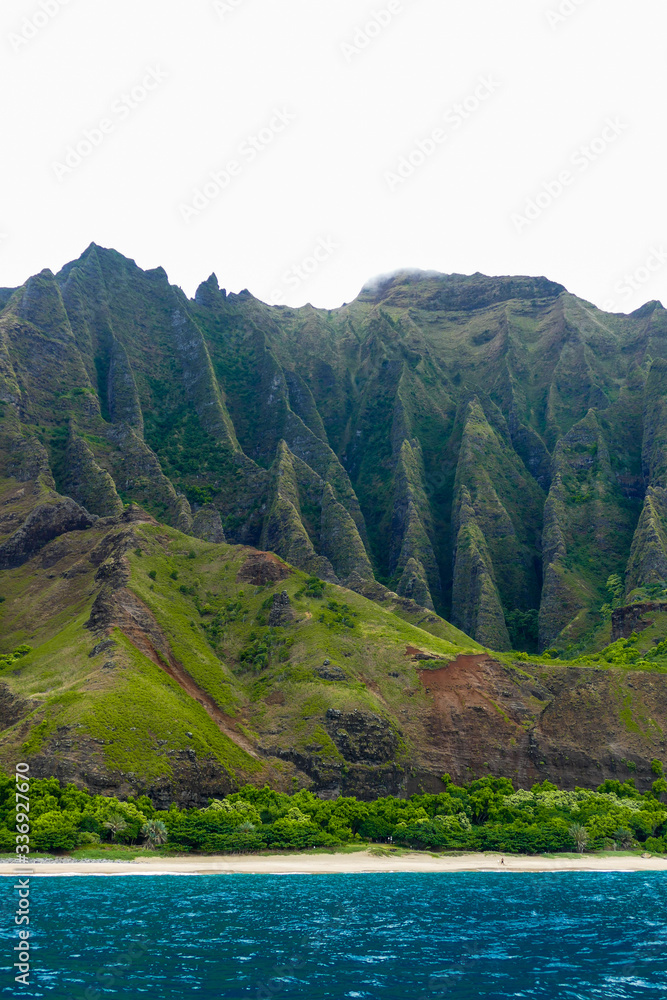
(533, 362)
(234, 520)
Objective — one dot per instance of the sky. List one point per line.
(298, 148)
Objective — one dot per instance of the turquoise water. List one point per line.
(386, 937)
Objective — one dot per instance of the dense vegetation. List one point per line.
(488, 814)
(492, 447)
(491, 450)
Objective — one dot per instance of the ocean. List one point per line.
(380, 936)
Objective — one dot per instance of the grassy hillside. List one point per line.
(485, 451)
(145, 657)
(136, 659)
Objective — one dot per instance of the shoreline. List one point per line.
(330, 864)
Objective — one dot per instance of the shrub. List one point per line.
(87, 839)
(9, 658)
(623, 839)
(54, 831)
(315, 587)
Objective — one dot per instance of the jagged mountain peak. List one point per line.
(648, 309)
(440, 425)
(209, 292)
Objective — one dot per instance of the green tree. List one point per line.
(523, 628)
(579, 835)
(115, 824)
(54, 831)
(615, 589)
(155, 832)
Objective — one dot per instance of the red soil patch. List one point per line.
(463, 683)
(261, 568)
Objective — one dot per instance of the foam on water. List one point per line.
(389, 936)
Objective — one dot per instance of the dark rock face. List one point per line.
(281, 612)
(625, 621)
(459, 291)
(362, 737)
(333, 778)
(207, 525)
(43, 524)
(13, 708)
(102, 647)
(192, 784)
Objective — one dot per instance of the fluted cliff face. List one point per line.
(483, 446)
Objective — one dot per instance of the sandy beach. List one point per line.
(330, 864)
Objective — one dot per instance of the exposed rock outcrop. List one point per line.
(634, 618)
(476, 603)
(362, 737)
(41, 304)
(140, 475)
(122, 395)
(207, 524)
(281, 613)
(44, 523)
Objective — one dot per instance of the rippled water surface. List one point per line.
(389, 936)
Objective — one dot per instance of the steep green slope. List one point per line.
(137, 659)
(147, 658)
(489, 447)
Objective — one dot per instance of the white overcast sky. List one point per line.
(339, 91)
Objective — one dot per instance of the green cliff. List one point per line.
(490, 451)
